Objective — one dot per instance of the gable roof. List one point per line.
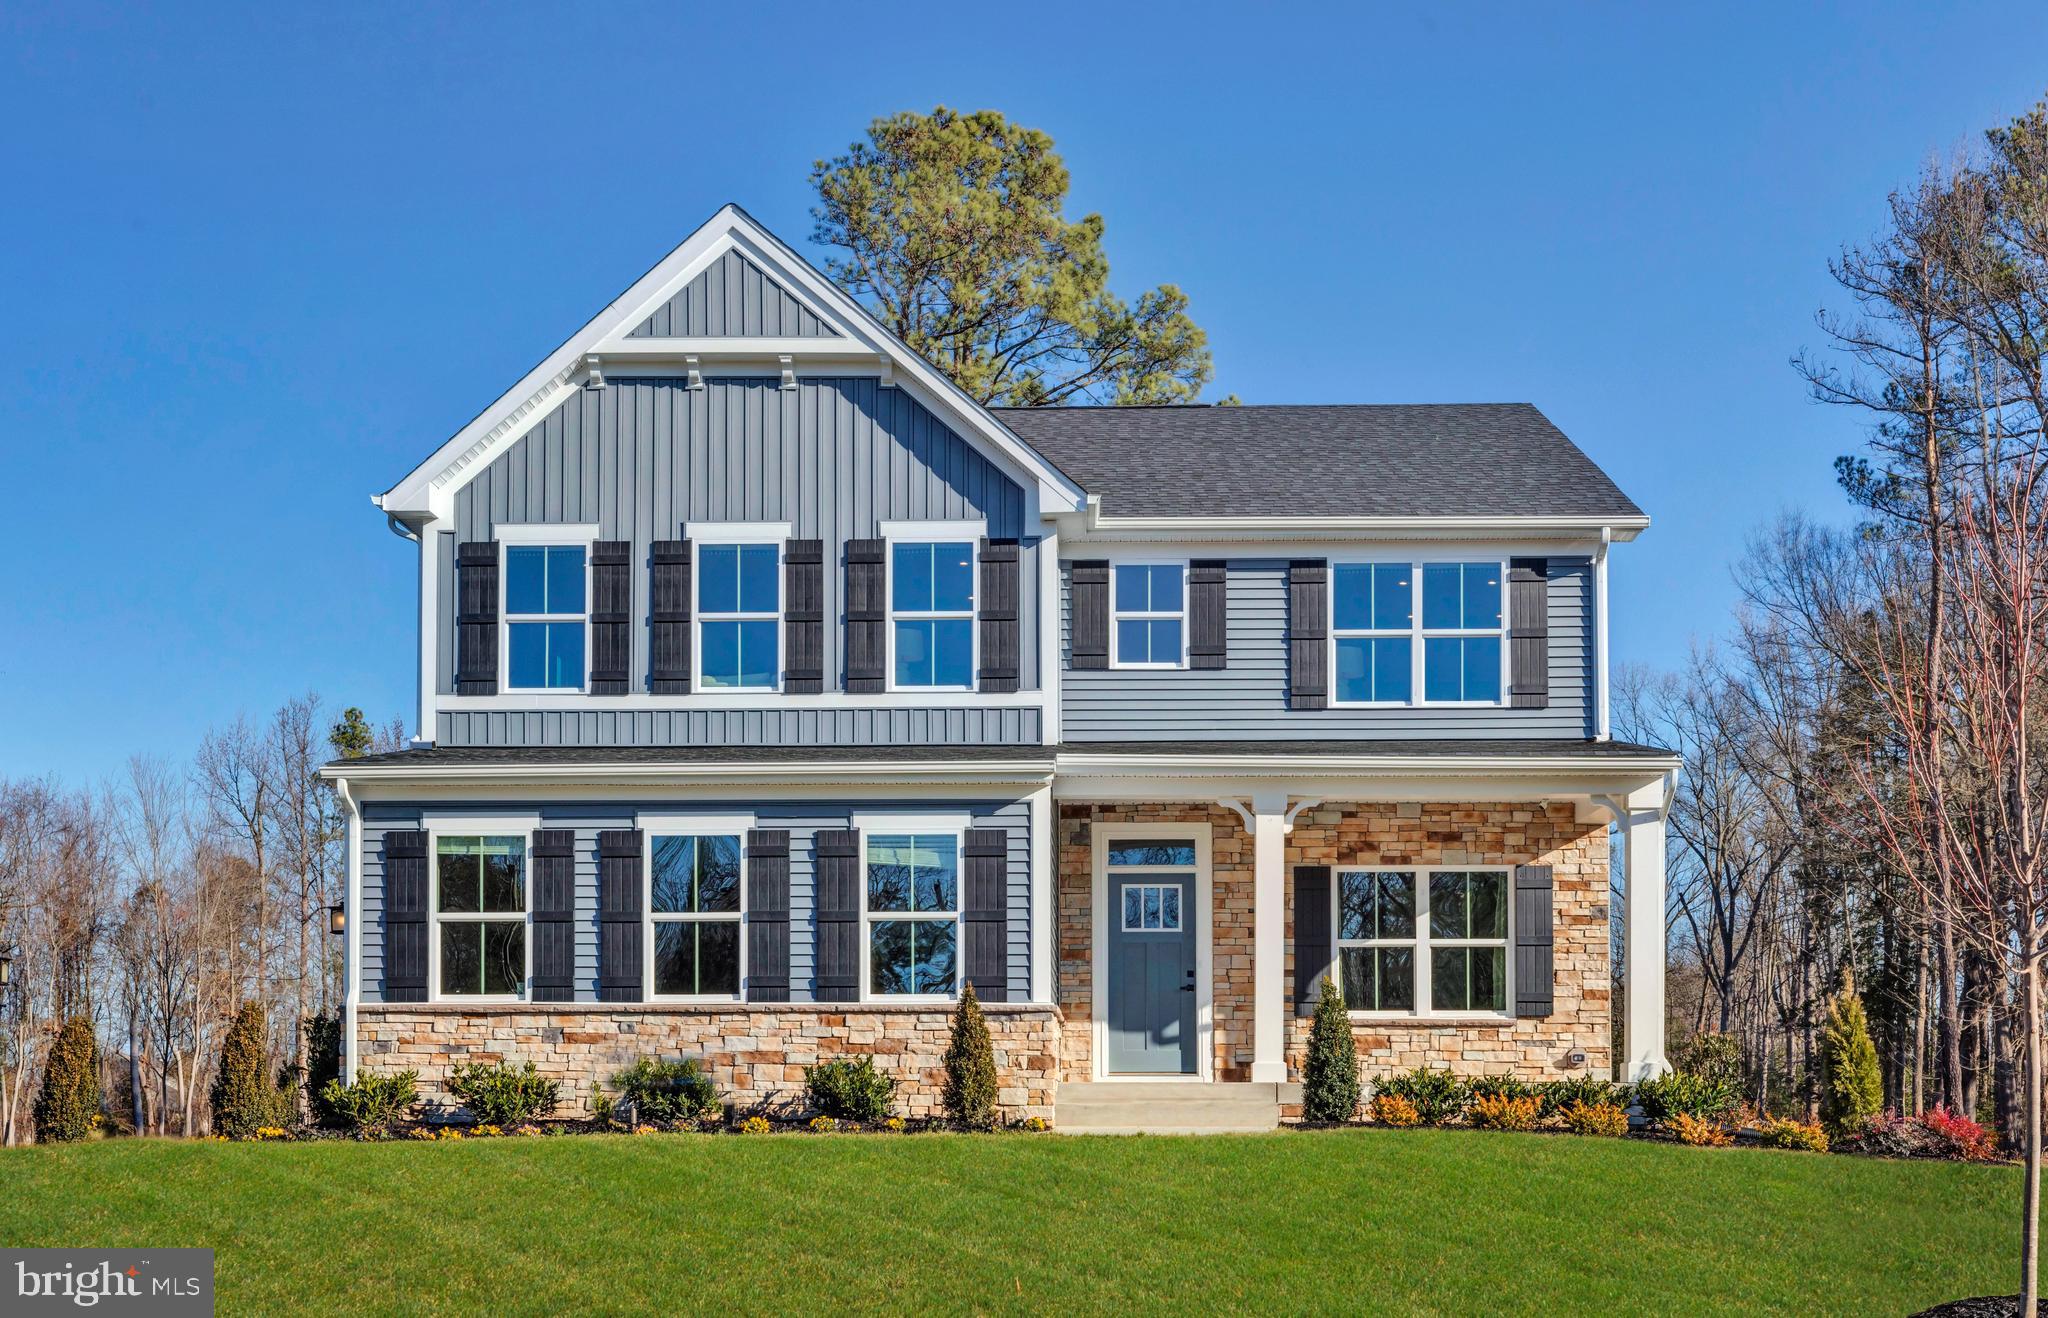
(1383, 460)
(733, 297)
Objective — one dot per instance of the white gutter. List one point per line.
(352, 940)
(1353, 765)
(675, 773)
(1092, 524)
(1601, 684)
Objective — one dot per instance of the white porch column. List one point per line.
(1642, 832)
(1269, 937)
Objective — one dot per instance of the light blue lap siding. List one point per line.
(1009, 726)
(1248, 699)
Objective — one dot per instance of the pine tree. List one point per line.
(1852, 1089)
(70, 1097)
(1329, 1075)
(244, 1097)
(970, 1093)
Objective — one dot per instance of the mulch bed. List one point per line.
(1983, 1306)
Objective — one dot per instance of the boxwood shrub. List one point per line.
(373, 1103)
(850, 1090)
(1703, 1098)
(497, 1095)
(674, 1093)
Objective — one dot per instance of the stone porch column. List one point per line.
(1269, 937)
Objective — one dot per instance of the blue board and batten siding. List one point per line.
(1013, 725)
(803, 819)
(733, 297)
(1247, 699)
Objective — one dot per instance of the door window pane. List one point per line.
(1178, 855)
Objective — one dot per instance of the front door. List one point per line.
(1151, 966)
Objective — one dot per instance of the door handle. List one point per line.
(1187, 988)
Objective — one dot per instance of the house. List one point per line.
(771, 689)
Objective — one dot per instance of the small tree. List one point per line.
(970, 1068)
(70, 1097)
(1329, 1075)
(1852, 1089)
(323, 1063)
(245, 1099)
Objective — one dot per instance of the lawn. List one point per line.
(1446, 1222)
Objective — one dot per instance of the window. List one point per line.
(545, 587)
(931, 613)
(480, 908)
(739, 615)
(694, 887)
(1438, 937)
(1151, 908)
(1150, 623)
(913, 906)
(1382, 657)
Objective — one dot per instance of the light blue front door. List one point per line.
(1151, 969)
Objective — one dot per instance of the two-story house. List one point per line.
(771, 690)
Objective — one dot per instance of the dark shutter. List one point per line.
(668, 616)
(1308, 632)
(1208, 613)
(1313, 951)
(620, 958)
(405, 916)
(867, 616)
(768, 915)
(476, 618)
(1529, 633)
(803, 612)
(984, 913)
(1535, 958)
(553, 904)
(611, 617)
(1000, 590)
(1088, 611)
(838, 915)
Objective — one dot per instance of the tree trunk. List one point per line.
(134, 1074)
(2030, 1223)
(1920, 1029)
(1951, 1012)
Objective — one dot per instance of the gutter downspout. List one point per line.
(1602, 724)
(352, 943)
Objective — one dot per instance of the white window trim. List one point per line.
(893, 533)
(1101, 836)
(692, 826)
(1415, 633)
(541, 535)
(1423, 945)
(520, 826)
(1117, 613)
(1123, 889)
(954, 826)
(714, 535)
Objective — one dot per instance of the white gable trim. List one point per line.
(428, 492)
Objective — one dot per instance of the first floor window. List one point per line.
(544, 616)
(1423, 936)
(694, 904)
(931, 613)
(913, 911)
(739, 606)
(480, 908)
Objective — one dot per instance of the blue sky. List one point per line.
(256, 263)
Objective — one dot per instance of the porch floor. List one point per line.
(1167, 1107)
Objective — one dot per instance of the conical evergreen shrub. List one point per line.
(970, 1093)
(1851, 1087)
(245, 1098)
(1329, 1075)
(70, 1096)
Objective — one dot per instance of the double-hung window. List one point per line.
(1372, 615)
(1462, 644)
(913, 914)
(546, 588)
(1423, 942)
(695, 882)
(1418, 633)
(1149, 629)
(480, 914)
(931, 613)
(739, 615)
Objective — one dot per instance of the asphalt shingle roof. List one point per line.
(1372, 460)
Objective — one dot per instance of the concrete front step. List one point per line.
(1140, 1107)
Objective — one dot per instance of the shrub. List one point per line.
(1700, 1132)
(373, 1103)
(1785, 1133)
(70, 1096)
(1701, 1097)
(970, 1092)
(500, 1096)
(1502, 1112)
(1851, 1090)
(1953, 1135)
(1710, 1056)
(677, 1092)
(1394, 1110)
(1329, 1074)
(1498, 1086)
(1609, 1119)
(850, 1090)
(1559, 1096)
(1889, 1135)
(245, 1099)
(1438, 1096)
(322, 1037)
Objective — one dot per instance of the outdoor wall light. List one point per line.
(337, 919)
(6, 966)
(1574, 1058)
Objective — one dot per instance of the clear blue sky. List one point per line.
(255, 264)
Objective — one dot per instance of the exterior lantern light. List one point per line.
(6, 966)
(337, 919)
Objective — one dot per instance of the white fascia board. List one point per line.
(1606, 767)
(1093, 528)
(804, 777)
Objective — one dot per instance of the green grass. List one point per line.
(1444, 1222)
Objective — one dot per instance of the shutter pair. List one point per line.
(1308, 633)
(997, 605)
(1315, 952)
(1208, 613)
(984, 914)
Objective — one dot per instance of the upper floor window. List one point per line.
(1149, 627)
(480, 915)
(546, 587)
(931, 613)
(739, 615)
(694, 897)
(1382, 657)
(1438, 938)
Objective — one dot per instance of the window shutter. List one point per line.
(768, 915)
(620, 958)
(405, 916)
(1308, 632)
(1208, 613)
(476, 618)
(1535, 954)
(1529, 633)
(999, 599)
(668, 615)
(803, 612)
(1088, 607)
(838, 915)
(611, 617)
(985, 912)
(1313, 949)
(553, 905)
(867, 616)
